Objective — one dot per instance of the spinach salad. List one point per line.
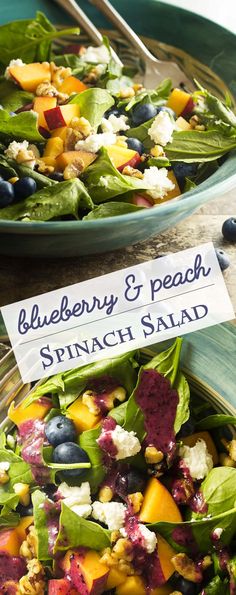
(117, 479)
(80, 139)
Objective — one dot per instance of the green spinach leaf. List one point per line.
(49, 203)
(180, 535)
(104, 181)
(95, 475)
(122, 367)
(215, 421)
(19, 471)
(9, 519)
(199, 146)
(41, 180)
(141, 132)
(23, 126)
(112, 209)
(217, 587)
(29, 39)
(93, 104)
(6, 170)
(13, 98)
(219, 491)
(75, 531)
(9, 499)
(39, 499)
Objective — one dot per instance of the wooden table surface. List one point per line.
(25, 277)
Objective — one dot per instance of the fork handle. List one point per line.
(72, 8)
(111, 13)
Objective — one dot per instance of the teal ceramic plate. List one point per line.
(208, 360)
(199, 45)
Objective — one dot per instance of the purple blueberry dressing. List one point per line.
(198, 504)
(149, 564)
(53, 530)
(32, 436)
(184, 537)
(158, 402)
(105, 441)
(12, 568)
(102, 388)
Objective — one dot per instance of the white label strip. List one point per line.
(125, 310)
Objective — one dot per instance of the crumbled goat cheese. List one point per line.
(197, 459)
(17, 62)
(158, 180)
(96, 55)
(4, 466)
(218, 532)
(161, 129)
(114, 123)
(14, 148)
(150, 540)
(76, 498)
(95, 141)
(110, 513)
(127, 443)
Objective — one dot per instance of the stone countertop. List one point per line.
(24, 277)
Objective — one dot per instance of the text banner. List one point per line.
(128, 309)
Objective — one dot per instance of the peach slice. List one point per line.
(67, 157)
(24, 523)
(61, 115)
(82, 417)
(10, 541)
(121, 156)
(178, 100)
(36, 410)
(72, 85)
(40, 105)
(158, 504)
(30, 76)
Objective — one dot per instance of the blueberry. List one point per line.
(69, 452)
(163, 108)
(6, 193)
(57, 176)
(25, 510)
(60, 429)
(24, 187)
(131, 482)
(186, 587)
(112, 112)
(142, 113)
(223, 259)
(184, 170)
(229, 229)
(135, 144)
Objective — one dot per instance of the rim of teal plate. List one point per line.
(202, 194)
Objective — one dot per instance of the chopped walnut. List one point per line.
(33, 583)
(187, 568)
(127, 92)
(88, 398)
(226, 460)
(59, 74)
(81, 125)
(136, 501)
(137, 87)
(29, 546)
(153, 456)
(105, 494)
(46, 89)
(157, 151)
(232, 449)
(132, 172)
(123, 550)
(43, 168)
(195, 123)
(73, 169)
(91, 77)
(4, 477)
(72, 136)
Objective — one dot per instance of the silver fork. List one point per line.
(154, 70)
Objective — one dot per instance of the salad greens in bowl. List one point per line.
(90, 159)
(119, 477)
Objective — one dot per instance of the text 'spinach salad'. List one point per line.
(116, 480)
(81, 140)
